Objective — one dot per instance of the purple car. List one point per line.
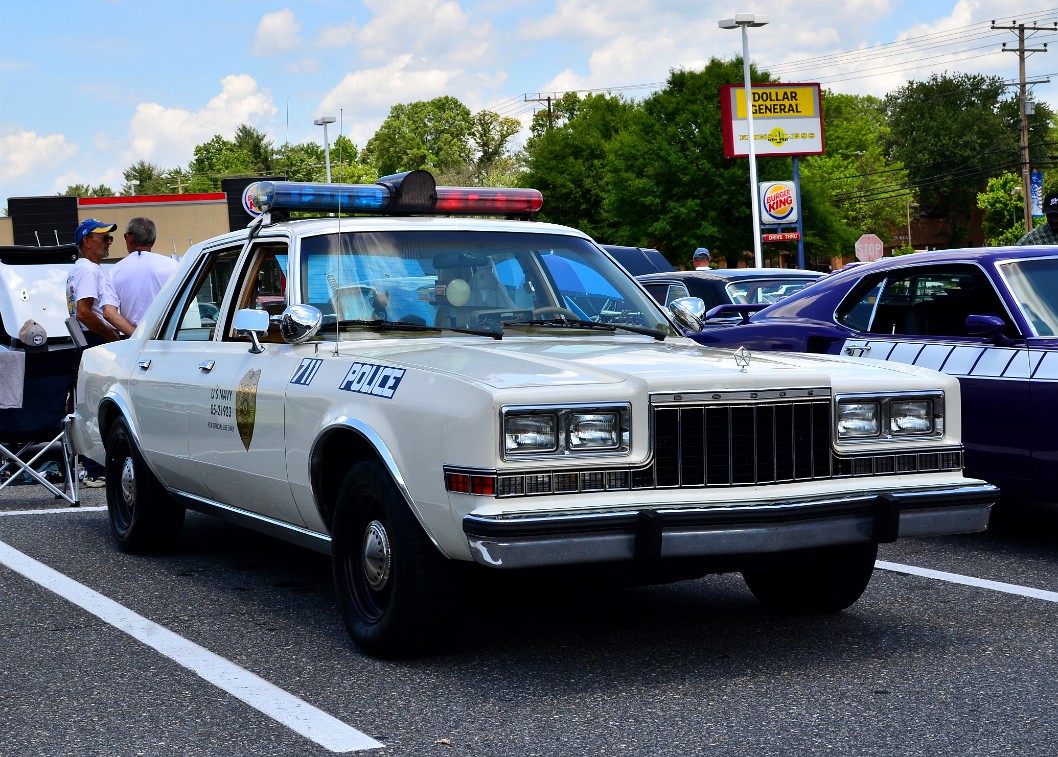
(986, 315)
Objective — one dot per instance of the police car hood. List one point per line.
(676, 364)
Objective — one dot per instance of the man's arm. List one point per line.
(95, 324)
(118, 321)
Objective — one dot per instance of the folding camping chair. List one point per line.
(30, 434)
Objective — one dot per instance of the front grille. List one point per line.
(739, 444)
(731, 439)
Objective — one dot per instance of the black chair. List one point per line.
(32, 434)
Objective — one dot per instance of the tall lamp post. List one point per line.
(323, 121)
(744, 21)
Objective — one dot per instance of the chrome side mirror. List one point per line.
(254, 323)
(689, 313)
(299, 323)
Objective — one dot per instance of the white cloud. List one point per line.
(304, 66)
(24, 152)
(277, 33)
(432, 29)
(168, 136)
(338, 35)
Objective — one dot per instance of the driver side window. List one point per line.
(197, 314)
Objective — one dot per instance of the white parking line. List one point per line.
(53, 510)
(285, 708)
(981, 583)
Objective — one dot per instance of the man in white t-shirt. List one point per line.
(137, 278)
(87, 294)
(87, 289)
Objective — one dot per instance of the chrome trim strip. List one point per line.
(261, 523)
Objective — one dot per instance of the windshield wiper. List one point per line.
(587, 325)
(409, 326)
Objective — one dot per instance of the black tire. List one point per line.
(391, 582)
(831, 580)
(143, 516)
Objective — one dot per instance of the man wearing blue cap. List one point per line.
(87, 291)
(701, 258)
(87, 288)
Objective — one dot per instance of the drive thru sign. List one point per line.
(868, 248)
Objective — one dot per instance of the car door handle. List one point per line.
(857, 350)
(143, 365)
(206, 365)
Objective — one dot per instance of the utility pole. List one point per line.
(539, 99)
(1023, 52)
(179, 185)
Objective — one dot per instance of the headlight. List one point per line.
(560, 430)
(857, 419)
(530, 433)
(594, 431)
(901, 415)
(911, 417)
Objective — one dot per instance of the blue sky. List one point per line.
(89, 88)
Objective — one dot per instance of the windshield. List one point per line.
(468, 279)
(765, 291)
(1035, 285)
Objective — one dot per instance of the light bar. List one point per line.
(487, 201)
(293, 195)
(413, 192)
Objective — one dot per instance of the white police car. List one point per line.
(417, 395)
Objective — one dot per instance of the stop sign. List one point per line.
(868, 248)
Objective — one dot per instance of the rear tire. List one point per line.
(830, 581)
(391, 582)
(143, 516)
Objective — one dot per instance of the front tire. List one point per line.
(143, 516)
(831, 580)
(390, 580)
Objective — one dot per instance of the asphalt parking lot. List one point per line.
(232, 645)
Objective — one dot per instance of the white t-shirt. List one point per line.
(87, 280)
(136, 280)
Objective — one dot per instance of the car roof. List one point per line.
(982, 255)
(311, 226)
(638, 260)
(734, 274)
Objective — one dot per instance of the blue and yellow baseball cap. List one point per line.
(92, 226)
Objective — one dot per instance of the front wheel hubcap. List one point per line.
(128, 481)
(377, 557)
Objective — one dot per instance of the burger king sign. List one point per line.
(778, 203)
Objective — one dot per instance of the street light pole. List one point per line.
(323, 121)
(744, 21)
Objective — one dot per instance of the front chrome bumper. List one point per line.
(747, 529)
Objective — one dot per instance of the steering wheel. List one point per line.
(557, 311)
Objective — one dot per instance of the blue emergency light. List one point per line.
(409, 193)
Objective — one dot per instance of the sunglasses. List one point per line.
(104, 237)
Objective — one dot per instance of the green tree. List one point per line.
(428, 134)
(347, 166)
(869, 193)
(568, 163)
(1004, 210)
(215, 159)
(950, 134)
(143, 178)
(301, 162)
(667, 183)
(86, 190)
(256, 146)
(490, 136)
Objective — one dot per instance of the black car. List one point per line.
(724, 286)
(638, 260)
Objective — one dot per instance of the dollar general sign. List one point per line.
(787, 120)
